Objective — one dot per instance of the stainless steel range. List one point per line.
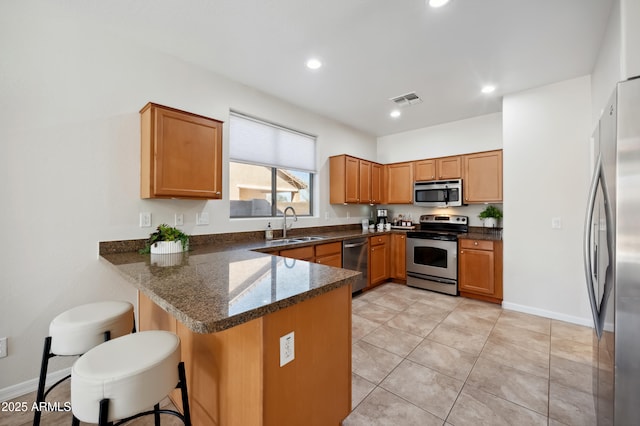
(432, 253)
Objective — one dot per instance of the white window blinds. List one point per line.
(258, 142)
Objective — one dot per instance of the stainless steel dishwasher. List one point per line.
(354, 257)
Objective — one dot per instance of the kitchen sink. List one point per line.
(295, 240)
(311, 238)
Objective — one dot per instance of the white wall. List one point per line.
(630, 29)
(546, 175)
(483, 133)
(69, 128)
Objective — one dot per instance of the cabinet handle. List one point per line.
(461, 251)
(217, 192)
(475, 243)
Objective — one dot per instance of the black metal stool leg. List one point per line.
(185, 396)
(103, 419)
(46, 354)
(156, 414)
(75, 421)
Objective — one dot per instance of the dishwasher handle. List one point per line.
(354, 245)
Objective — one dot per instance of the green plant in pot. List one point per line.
(166, 233)
(491, 216)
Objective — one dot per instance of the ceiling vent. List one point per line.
(406, 100)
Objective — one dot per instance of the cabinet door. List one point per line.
(398, 256)
(364, 184)
(378, 260)
(181, 154)
(331, 260)
(476, 271)
(352, 180)
(301, 253)
(449, 167)
(400, 183)
(483, 177)
(376, 183)
(425, 170)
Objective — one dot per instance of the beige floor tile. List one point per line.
(514, 385)
(382, 408)
(413, 324)
(393, 301)
(371, 362)
(373, 312)
(464, 339)
(566, 331)
(571, 374)
(426, 388)
(427, 311)
(443, 358)
(438, 300)
(360, 388)
(360, 327)
(393, 340)
(570, 406)
(479, 309)
(522, 337)
(466, 319)
(501, 351)
(526, 321)
(572, 350)
(475, 407)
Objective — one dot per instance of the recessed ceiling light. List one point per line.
(488, 89)
(395, 113)
(314, 64)
(438, 3)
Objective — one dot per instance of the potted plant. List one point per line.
(491, 216)
(166, 240)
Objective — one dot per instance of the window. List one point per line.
(270, 168)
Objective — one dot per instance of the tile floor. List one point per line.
(423, 358)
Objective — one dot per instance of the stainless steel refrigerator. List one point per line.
(612, 258)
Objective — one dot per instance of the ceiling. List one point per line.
(371, 50)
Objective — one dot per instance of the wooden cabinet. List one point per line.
(378, 260)
(399, 183)
(329, 254)
(438, 168)
(354, 181)
(398, 257)
(483, 177)
(301, 253)
(181, 154)
(480, 269)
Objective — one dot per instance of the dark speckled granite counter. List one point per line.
(217, 286)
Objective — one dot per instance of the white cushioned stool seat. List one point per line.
(133, 372)
(79, 329)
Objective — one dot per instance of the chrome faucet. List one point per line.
(295, 219)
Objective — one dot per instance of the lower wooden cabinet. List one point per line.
(329, 254)
(301, 253)
(480, 269)
(378, 260)
(399, 257)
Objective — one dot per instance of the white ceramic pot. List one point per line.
(167, 247)
(490, 222)
(168, 259)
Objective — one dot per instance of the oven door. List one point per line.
(433, 258)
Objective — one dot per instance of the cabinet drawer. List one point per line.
(328, 249)
(302, 253)
(476, 244)
(382, 239)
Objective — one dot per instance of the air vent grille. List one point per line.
(406, 99)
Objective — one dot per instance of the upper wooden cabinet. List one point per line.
(399, 183)
(181, 154)
(438, 168)
(354, 181)
(482, 178)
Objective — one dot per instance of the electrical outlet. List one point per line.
(145, 220)
(3, 347)
(556, 223)
(202, 218)
(287, 349)
(179, 219)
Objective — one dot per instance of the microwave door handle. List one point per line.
(446, 194)
(588, 263)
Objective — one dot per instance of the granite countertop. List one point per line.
(217, 286)
(479, 233)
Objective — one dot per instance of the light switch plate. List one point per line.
(202, 218)
(287, 349)
(145, 220)
(3, 347)
(556, 223)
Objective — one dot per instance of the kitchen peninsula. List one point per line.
(231, 307)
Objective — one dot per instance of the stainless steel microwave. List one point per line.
(438, 193)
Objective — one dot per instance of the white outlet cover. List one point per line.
(287, 348)
(202, 218)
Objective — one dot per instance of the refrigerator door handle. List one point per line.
(588, 264)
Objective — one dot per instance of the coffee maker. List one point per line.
(382, 216)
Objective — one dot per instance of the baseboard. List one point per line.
(587, 322)
(29, 386)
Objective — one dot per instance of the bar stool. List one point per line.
(121, 379)
(79, 329)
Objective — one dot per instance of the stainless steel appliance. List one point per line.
(432, 253)
(382, 216)
(612, 258)
(354, 257)
(438, 193)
